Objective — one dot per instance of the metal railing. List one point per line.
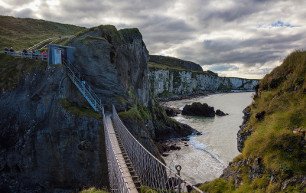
(84, 88)
(29, 55)
(152, 172)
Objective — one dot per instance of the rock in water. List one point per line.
(198, 109)
(172, 112)
(220, 113)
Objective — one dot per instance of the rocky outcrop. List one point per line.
(169, 83)
(114, 63)
(255, 167)
(243, 134)
(172, 112)
(260, 116)
(198, 109)
(220, 113)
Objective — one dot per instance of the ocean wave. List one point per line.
(205, 148)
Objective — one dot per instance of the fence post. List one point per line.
(178, 170)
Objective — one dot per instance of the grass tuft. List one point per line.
(75, 109)
(93, 190)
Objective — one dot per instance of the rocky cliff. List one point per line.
(167, 83)
(114, 63)
(50, 139)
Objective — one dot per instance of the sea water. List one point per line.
(207, 155)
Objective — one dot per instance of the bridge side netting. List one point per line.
(151, 171)
(116, 178)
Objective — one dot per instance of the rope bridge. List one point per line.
(130, 165)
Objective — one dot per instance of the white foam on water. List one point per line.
(196, 144)
(203, 147)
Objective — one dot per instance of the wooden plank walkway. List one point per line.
(119, 155)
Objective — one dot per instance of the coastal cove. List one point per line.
(207, 155)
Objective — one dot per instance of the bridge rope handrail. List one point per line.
(160, 173)
(117, 180)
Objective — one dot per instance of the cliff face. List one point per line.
(49, 139)
(114, 63)
(170, 82)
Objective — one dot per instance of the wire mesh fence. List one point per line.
(152, 172)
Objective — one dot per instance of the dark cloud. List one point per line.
(223, 67)
(229, 36)
(25, 13)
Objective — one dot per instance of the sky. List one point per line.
(242, 38)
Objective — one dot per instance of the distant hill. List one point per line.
(158, 61)
(22, 33)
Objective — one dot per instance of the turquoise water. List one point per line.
(207, 155)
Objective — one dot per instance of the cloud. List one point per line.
(235, 38)
(5, 11)
(20, 2)
(25, 13)
(223, 67)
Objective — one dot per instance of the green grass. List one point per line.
(79, 110)
(218, 186)
(13, 69)
(22, 33)
(282, 95)
(93, 190)
(145, 189)
(137, 112)
(171, 62)
(161, 66)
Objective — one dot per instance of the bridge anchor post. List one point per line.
(178, 170)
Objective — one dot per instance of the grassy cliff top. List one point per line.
(157, 61)
(13, 69)
(22, 33)
(275, 151)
